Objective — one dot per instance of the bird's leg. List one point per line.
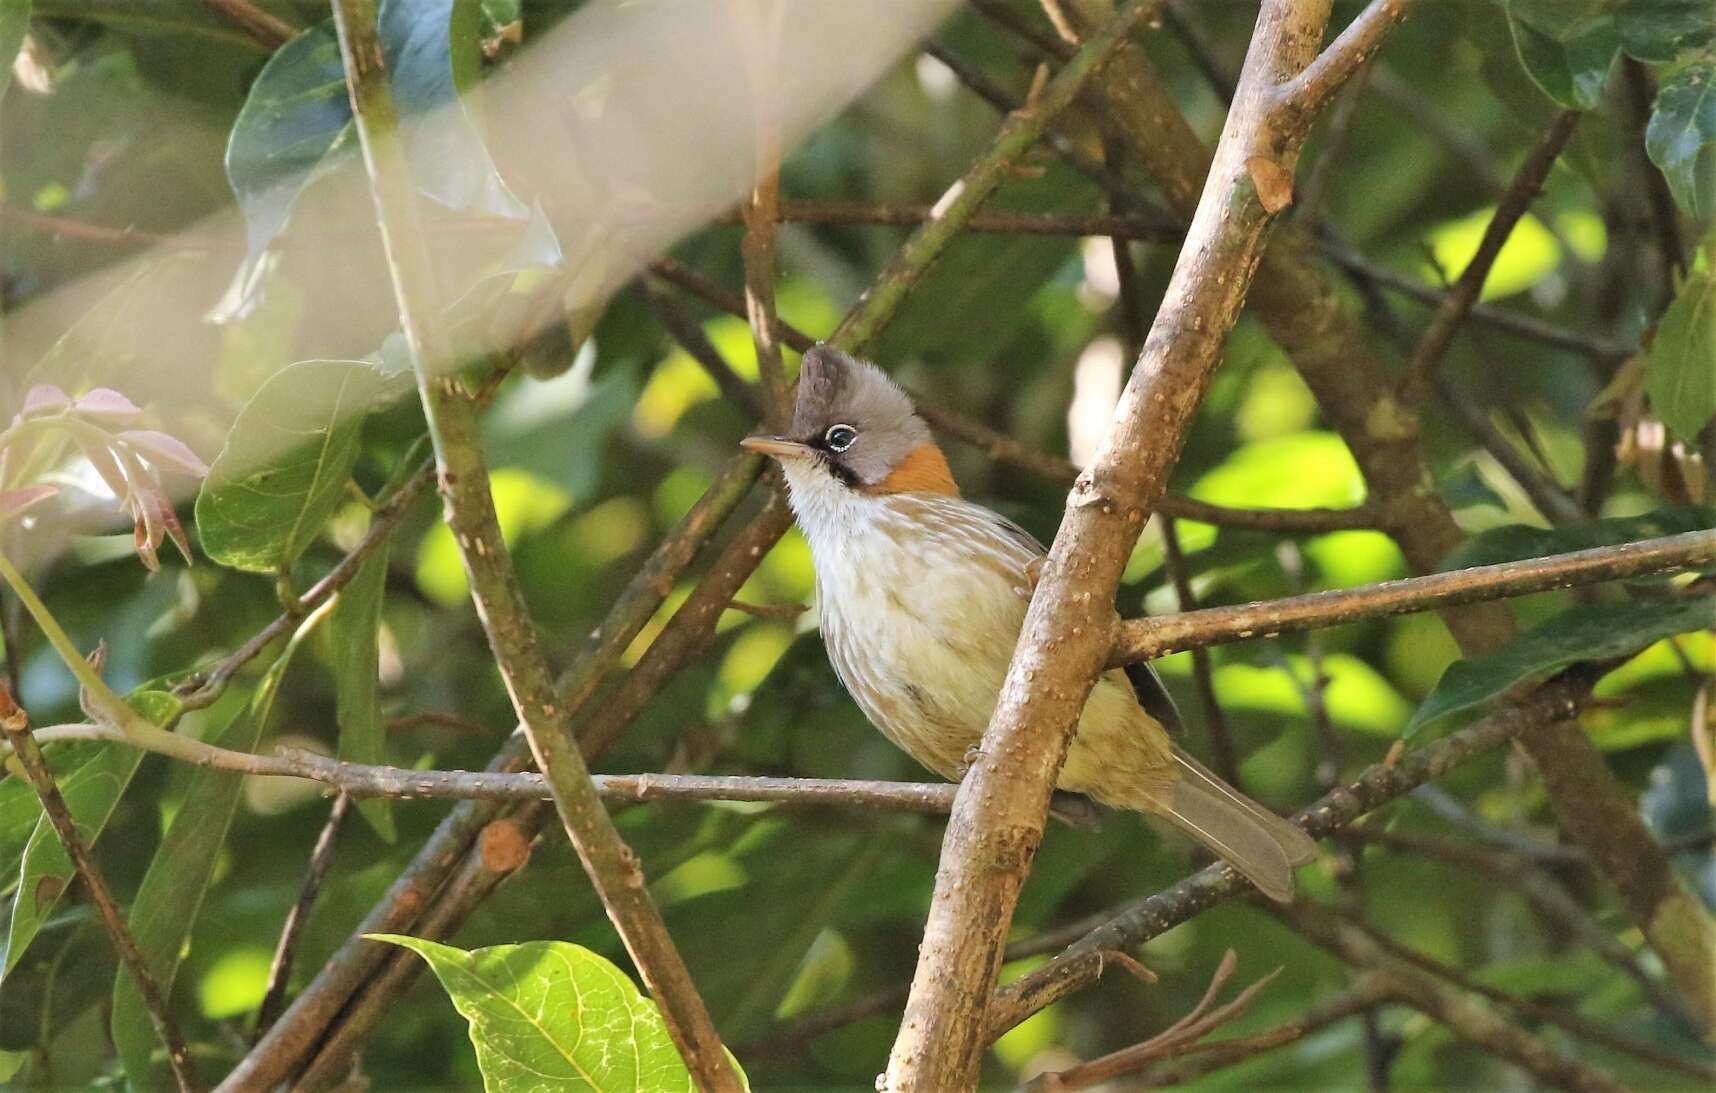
(969, 759)
(1034, 571)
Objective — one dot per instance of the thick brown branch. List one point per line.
(998, 816)
(1299, 304)
(16, 726)
(1147, 638)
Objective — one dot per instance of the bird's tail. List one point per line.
(1262, 846)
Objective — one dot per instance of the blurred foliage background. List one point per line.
(117, 120)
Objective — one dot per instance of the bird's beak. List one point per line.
(778, 446)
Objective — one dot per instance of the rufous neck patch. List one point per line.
(924, 470)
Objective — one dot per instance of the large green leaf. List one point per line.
(179, 875)
(434, 54)
(296, 112)
(1682, 125)
(553, 1015)
(1680, 374)
(91, 792)
(356, 659)
(14, 23)
(1567, 46)
(1659, 30)
(1514, 542)
(283, 470)
(1587, 632)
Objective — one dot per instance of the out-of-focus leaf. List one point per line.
(1466, 488)
(1530, 253)
(296, 112)
(284, 467)
(502, 25)
(1682, 125)
(1305, 470)
(1513, 542)
(1567, 46)
(1656, 31)
(91, 792)
(1677, 804)
(179, 875)
(558, 428)
(550, 1014)
(1680, 375)
(1585, 632)
(14, 24)
(352, 632)
(433, 54)
(68, 970)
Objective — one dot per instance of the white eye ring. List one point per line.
(840, 437)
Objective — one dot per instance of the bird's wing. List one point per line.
(1146, 684)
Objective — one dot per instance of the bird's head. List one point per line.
(854, 431)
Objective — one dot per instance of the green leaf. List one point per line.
(1656, 31)
(553, 1015)
(1567, 46)
(14, 23)
(284, 467)
(1680, 373)
(179, 875)
(296, 112)
(1513, 542)
(352, 635)
(433, 54)
(1682, 125)
(91, 792)
(1586, 632)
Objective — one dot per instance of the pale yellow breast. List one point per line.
(921, 604)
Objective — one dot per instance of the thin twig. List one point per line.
(1003, 448)
(1366, 994)
(1470, 1020)
(268, 30)
(204, 686)
(691, 338)
(1458, 300)
(280, 970)
(1181, 1038)
(462, 475)
(16, 725)
(1203, 669)
(1548, 495)
(1159, 635)
(759, 41)
(1560, 1016)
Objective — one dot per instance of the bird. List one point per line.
(921, 596)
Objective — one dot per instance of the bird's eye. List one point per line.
(840, 437)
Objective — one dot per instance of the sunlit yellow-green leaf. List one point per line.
(1529, 254)
(524, 504)
(234, 984)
